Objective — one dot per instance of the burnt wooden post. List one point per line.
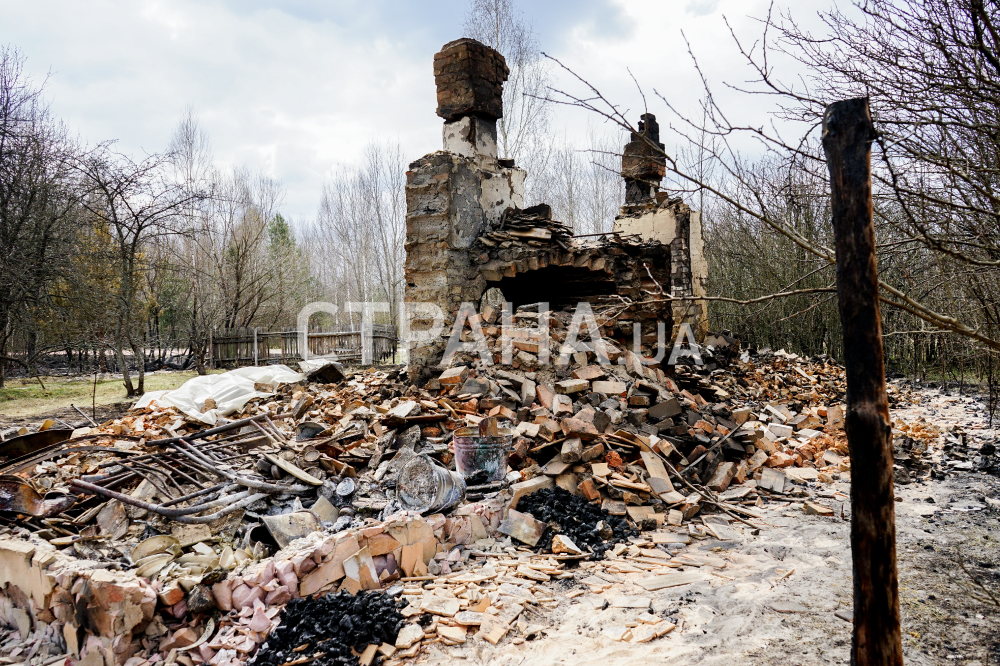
(847, 136)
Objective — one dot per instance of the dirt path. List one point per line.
(756, 612)
(785, 594)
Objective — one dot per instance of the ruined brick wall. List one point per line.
(452, 195)
(449, 201)
(469, 77)
(643, 162)
(621, 280)
(447, 265)
(456, 195)
(652, 215)
(83, 609)
(674, 223)
(687, 275)
(699, 273)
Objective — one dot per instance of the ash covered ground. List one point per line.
(785, 595)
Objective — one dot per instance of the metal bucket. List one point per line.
(426, 486)
(475, 453)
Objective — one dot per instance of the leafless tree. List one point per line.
(37, 203)
(135, 204)
(98, 249)
(931, 69)
(498, 24)
(580, 180)
(190, 154)
(360, 230)
(236, 240)
(927, 65)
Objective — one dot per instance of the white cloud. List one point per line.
(299, 87)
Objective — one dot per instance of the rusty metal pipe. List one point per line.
(215, 431)
(242, 480)
(103, 479)
(23, 463)
(173, 463)
(195, 461)
(164, 459)
(207, 491)
(219, 501)
(234, 502)
(150, 473)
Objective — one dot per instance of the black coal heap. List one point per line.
(329, 626)
(577, 518)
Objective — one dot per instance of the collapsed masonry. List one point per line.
(87, 571)
(466, 231)
(652, 215)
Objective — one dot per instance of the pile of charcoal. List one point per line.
(588, 525)
(323, 630)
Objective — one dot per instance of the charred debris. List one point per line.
(356, 515)
(304, 492)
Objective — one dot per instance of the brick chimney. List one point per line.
(642, 166)
(470, 77)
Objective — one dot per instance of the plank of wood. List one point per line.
(655, 467)
(538, 234)
(670, 580)
(630, 486)
(723, 532)
(295, 471)
(670, 537)
(654, 561)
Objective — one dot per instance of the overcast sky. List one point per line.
(299, 87)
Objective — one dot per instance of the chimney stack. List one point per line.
(469, 77)
(642, 165)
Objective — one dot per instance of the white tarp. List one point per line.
(230, 390)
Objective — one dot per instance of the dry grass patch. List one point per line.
(25, 398)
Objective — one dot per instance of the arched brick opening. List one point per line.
(559, 286)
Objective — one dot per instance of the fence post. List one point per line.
(366, 339)
(847, 136)
(255, 346)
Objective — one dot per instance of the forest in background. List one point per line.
(111, 261)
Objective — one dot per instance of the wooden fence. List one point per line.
(247, 346)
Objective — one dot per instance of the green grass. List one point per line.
(23, 397)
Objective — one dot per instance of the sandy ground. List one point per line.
(757, 612)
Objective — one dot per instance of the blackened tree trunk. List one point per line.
(847, 136)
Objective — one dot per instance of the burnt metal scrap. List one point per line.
(192, 475)
(17, 495)
(25, 445)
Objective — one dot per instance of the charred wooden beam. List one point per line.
(847, 136)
